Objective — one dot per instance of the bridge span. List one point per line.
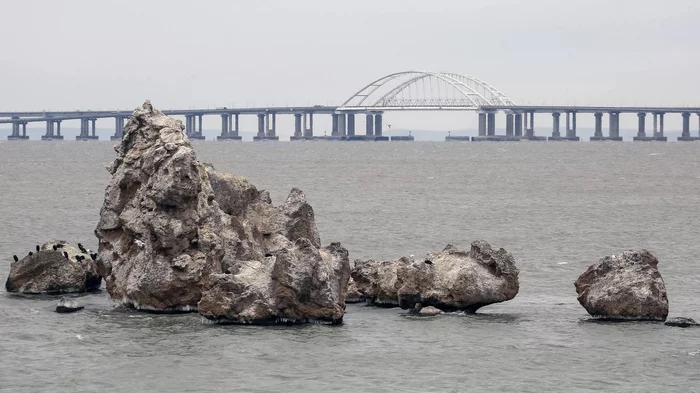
(401, 91)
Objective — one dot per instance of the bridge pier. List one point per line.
(309, 131)
(229, 132)
(685, 135)
(482, 124)
(491, 123)
(351, 124)
(261, 128)
(378, 117)
(509, 124)
(271, 125)
(85, 131)
(570, 127)
(15, 135)
(334, 127)
(556, 135)
(297, 127)
(118, 129)
(518, 124)
(641, 128)
(341, 125)
(369, 126)
(530, 130)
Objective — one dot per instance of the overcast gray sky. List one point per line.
(112, 54)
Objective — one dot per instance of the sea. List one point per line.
(557, 207)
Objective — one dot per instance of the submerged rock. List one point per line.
(66, 305)
(449, 280)
(681, 322)
(420, 311)
(624, 287)
(176, 235)
(456, 280)
(67, 269)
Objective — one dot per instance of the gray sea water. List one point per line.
(558, 207)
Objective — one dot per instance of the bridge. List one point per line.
(401, 91)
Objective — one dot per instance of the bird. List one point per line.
(79, 258)
(268, 255)
(82, 249)
(31, 253)
(37, 248)
(59, 245)
(428, 262)
(55, 248)
(65, 254)
(15, 257)
(93, 256)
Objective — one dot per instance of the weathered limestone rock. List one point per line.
(353, 296)
(176, 235)
(624, 287)
(376, 282)
(48, 271)
(455, 280)
(450, 280)
(681, 322)
(66, 305)
(298, 284)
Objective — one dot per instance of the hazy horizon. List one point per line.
(114, 54)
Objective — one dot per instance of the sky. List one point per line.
(183, 54)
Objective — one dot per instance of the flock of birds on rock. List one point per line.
(58, 246)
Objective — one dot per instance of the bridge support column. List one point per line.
(491, 123)
(598, 135)
(118, 129)
(261, 127)
(369, 127)
(309, 131)
(482, 124)
(224, 126)
(661, 126)
(556, 135)
(334, 127)
(571, 133)
(297, 126)
(518, 124)
(341, 125)
(58, 129)
(685, 135)
(229, 131)
(509, 124)
(641, 128)
(614, 128)
(351, 124)
(378, 125)
(271, 119)
(531, 127)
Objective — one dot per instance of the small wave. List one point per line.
(653, 154)
(79, 337)
(694, 353)
(562, 263)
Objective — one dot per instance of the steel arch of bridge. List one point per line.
(401, 91)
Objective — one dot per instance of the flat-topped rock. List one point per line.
(58, 267)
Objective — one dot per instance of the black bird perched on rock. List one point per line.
(428, 262)
(82, 249)
(15, 257)
(93, 256)
(37, 248)
(79, 258)
(268, 255)
(59, 245)
(31, 253)
(55, 248)
(65, 254)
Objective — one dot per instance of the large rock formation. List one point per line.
(58, 267)
(174, 232)
(624, 287)
(455, 280)
(450, 280)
